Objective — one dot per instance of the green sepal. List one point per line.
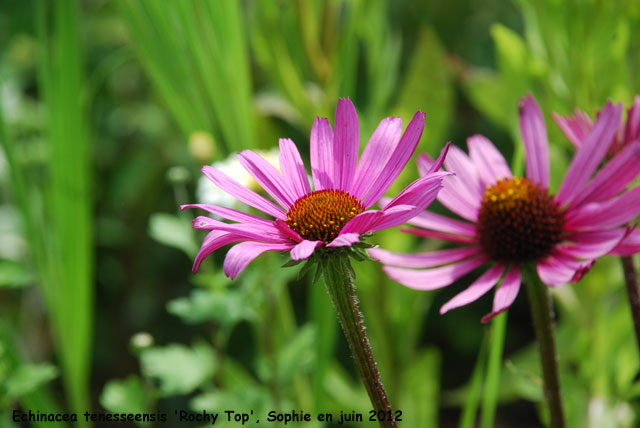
(291, 263)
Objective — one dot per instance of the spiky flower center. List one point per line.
(518, 221)
(319, 216)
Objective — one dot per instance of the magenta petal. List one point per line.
(629, 246)
(240, 255)
(536, 143)
(346, 142)
(376, 155)
(591, 245)
(589, 156)
(431, 279)
(614, 176)
(506, 293)
(264, 233)
(293, 170)
(344, 240)
(466, 173)
(268, 177)
(363, 222)
(304, 249)
(213, 241)
(433, 221)
(611, 213)
(632, 129)
(287, 231)
(398, 160)
(423, 260)
(575, 127)
(558, 269)
(476, 290)
(243, 194)
(321, 151)
(490, 163)
(229, 214)
(439, 235)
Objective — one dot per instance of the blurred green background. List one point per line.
(108, 109)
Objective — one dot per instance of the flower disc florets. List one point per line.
(518, 221)
(319, 216)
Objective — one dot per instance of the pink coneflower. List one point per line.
(336, 213)
(510, 221)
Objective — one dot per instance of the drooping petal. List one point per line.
(433, 221)
(346, 142)
(292, 168)
(490, 163)
(304, 249)
(243, 194)
(423, 260)
(240, 255)
(558, 269)
(264, 233)
(611, 213)
(362, 222)
(214, 240)
(506, 293)
(397, 161)
(614, 176)
(344, 240)
(287, 231)
(476, 290)
(268, 177)
(229, 214)
(321, 151)
(431, 279)
(590, 154)
(536, 143)
(629, 246)
(376, 155)
(459, 163)
(591, 245)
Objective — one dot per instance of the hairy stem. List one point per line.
(631, 283)
(337, 278)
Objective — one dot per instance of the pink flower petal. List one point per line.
(423, 260)
(431, 279)
(591, 245)
(376, 155)
(242, 193)
(304, 249)
(214, 240)
(264, 233)
(476, 290)
(611, 213)
(433, 221)
(506, 293)
(229, 214)
(590, 153)
(490, 163)
(268, 177)
(293, 170)
(287, 231)
(398, 160)
(346, 142)
(630, 245)
(632, 129)
(460, 164)
(536, 143)
(240, 255)
(614, 176)
(393, 216)
(574, 127)
(363, 222)
(439, 235)
(558, 269)
(344, 240)
(321, 152)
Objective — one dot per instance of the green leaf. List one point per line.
(173, 231)
(291, 263)
(297, 355)
(29, 377)
(179, 369)
(227, 307)
(14, 274)
(124, 396)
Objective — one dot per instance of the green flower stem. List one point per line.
(631, 282)
(541, 312)
(338, 279)
(494, 365)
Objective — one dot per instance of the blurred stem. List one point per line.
(631, 282)
(492, 382)
(468, 417)
(338, 279)
(542, 313)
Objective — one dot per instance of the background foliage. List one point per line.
(109, 108)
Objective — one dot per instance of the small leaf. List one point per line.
(227, 307)
(292, 262)
(124, 396)
(179, 369)
(29, 377)
(14, 274)
(173, 231)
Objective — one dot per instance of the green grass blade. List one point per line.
(494, 366)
